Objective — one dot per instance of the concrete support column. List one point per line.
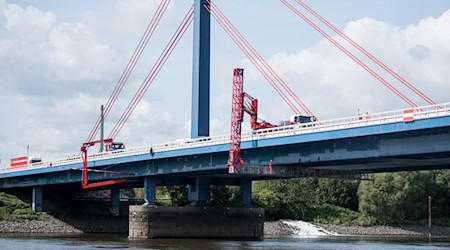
(196, 222)
(36, 199)
(199, 191)
(246, 192)
(115, 201)
(150, 183)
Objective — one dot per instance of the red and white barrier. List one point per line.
(408, 115)
(19, 162)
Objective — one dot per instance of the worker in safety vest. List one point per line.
(368, 116)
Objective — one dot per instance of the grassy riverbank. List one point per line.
(17, 216)
(12, 208)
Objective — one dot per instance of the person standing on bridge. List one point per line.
(368, 116)
(359, 115)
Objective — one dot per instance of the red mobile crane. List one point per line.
(84, 180)
(241, 103)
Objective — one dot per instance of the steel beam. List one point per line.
(37, 199)
(246, 192)
(390, 147)
(150, 183)
(115, 201)
(200, 71)
(199, 191)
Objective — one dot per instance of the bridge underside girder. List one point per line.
(403, 151)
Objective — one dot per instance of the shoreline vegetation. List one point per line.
(388, 204)
(386, 199)
(16, 217)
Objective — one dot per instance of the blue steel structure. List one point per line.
(397, 146)
(200, 71)
(36, 198)
(419, 145)
(199, 190)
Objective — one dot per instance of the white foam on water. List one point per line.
(302, 228)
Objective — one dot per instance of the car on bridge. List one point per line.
(304, 120)
(116, 146)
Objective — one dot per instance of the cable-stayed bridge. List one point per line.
(413, 138)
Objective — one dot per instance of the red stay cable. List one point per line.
(368, 54)
(348, 53)
(153, 72)
(149, 79)
(253, 60)
(136, 55)
(261, 59)
(131, 63)
(157, 20)
(257, 60)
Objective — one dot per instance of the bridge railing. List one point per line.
(351, 122)
(289, 130)
(320, 126)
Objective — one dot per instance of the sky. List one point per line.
(60, 60)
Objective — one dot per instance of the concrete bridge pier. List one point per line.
(37, 199)
(199, 192)
(246, 192)
(195, 222)
(198, 220)
(150, 183)
(115, 201)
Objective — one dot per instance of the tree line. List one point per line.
(387, 198)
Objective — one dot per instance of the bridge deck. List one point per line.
(424, 118)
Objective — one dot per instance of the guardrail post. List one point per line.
(246, 192)
(36, 199)
(115, 201)
(199, 191)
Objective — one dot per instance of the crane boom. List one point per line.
(237, 116)
(84, 176)
(241, 103)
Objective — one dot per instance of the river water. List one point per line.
(96, 241)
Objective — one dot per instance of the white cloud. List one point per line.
(219, 127)
(122, 18)
(55, 75)
(29, 17)
(332, 85)
(41, 56)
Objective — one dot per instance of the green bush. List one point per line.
(5, 213)
(28, 214)
(402, 197)
(365, 220)
(442, 221)
(269, 200)
(335, 215)
(390, 198)
(220, 196)
(12, 208)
